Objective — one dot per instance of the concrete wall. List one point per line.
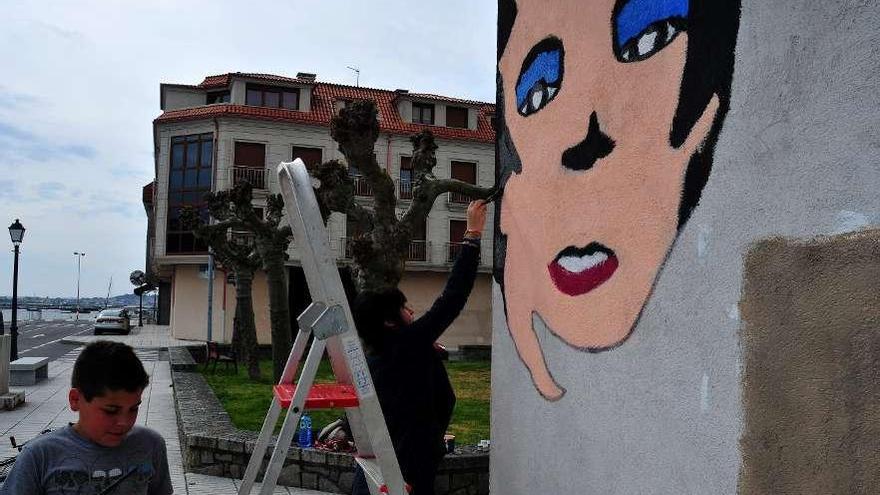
(189, 305)
(176, 97)
(714, 379)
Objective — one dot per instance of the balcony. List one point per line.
(452, 250)
(457, 199)
(256, 176)
(361, 186)
(418, 249)
(405, 189)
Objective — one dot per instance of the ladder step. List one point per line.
(321, 395)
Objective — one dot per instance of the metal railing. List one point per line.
(452, 250)
(455, 198)
(405, 189)
(418, 249)
(256, 176)
(361, 186)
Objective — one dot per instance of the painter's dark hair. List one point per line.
(712, 27)
(106, 366)
(371, 311)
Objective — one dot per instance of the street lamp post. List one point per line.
(16, 233)
(79, 257)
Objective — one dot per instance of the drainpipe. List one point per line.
(388, 155)
(210, 252)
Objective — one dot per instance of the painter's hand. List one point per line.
(476, 216)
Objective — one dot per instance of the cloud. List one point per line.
(50, 190)
(17, 144)
(15, 101)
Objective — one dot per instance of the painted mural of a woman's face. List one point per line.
(595, 205)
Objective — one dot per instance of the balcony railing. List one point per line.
(405, 189)
(256, 176)
(455, 198)
(418, 249)
(361, 186)
(346, 243)
(452, 250)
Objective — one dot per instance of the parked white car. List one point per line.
(113, 320)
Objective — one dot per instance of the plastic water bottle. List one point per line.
(305, 431)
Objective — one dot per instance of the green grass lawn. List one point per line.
(247, 401)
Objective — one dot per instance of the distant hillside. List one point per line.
(94, 302)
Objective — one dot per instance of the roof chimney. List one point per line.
(306, 76)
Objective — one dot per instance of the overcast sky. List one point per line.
(81, 87)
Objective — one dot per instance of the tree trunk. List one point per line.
(279, 311)
(244, 333)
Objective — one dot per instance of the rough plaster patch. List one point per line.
(811, 377)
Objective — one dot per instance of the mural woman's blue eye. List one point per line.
(540, 77)
(644, 27)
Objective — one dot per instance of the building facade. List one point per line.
(237, 126)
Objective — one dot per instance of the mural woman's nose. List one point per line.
(594, 146)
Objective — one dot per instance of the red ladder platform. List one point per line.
(321, 395)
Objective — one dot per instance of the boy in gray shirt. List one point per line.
(104, 453)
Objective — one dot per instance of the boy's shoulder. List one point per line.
(144, 435)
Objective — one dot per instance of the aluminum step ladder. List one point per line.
(329, 320)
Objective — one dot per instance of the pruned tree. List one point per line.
(242, 259)
(380, 252)
(268, 241)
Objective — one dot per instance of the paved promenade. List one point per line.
(46, 407)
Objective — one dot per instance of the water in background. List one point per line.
(46, 315)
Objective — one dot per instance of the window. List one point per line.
(465, 172)
(423, 113)
(250, 154)
(218, 97)
(406, 178)
(273, 97)
(457, 117)
(312, 157)
(250, 164)
(188, 181)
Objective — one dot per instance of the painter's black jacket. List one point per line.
(411, 381)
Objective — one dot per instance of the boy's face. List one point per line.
(107, 418)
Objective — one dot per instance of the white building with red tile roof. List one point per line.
(239, 126)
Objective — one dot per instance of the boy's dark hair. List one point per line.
(372, 309)
(104, 366)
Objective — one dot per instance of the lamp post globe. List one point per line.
(16, 233)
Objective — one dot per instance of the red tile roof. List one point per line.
(223, 80)
(323, 97)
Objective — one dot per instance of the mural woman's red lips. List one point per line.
(578, 271)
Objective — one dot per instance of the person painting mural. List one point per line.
(611, 110)
(411, 382)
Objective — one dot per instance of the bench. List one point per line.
(28, 370)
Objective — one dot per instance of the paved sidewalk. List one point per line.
(146, 337)
(46, 407)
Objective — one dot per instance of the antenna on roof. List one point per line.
(357, 73)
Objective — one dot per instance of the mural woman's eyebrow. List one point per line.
(635, 16)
